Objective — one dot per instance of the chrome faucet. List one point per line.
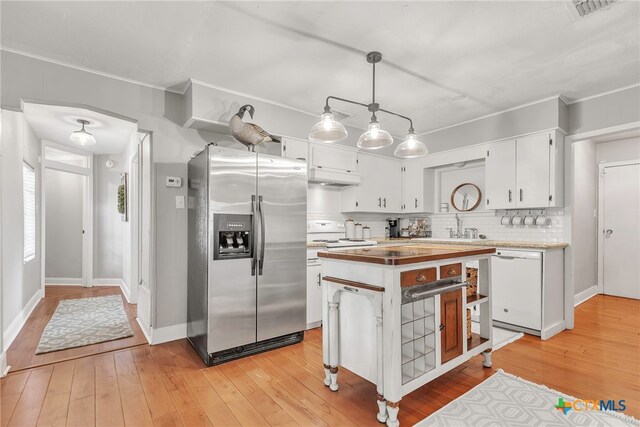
(458, 232)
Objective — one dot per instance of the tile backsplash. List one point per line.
(488, 223)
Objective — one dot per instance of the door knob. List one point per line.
(608, 232)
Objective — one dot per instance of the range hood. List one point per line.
(333, 177)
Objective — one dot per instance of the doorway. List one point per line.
(619, 242)
(66, 205)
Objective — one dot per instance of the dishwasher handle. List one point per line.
(509, 254)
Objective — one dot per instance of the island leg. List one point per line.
(326, 325)
(486, 355)
(333, 344)
(392, 409)
(382, 403)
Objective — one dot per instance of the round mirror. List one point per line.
(466, 197)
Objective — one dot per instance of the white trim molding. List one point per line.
(145, 330)
(168, 333)
(585, 295)
(61, 281)
(16, 325)
(4, 368)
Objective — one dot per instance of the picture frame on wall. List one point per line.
(123, 190)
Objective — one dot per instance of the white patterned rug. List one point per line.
(84, 321)
(506, 400)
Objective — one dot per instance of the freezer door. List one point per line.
(232, 287)
(282, 196)
(197, 258)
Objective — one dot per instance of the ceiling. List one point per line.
(55, 123)
(443, 62)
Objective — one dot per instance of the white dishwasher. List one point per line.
(516, 288)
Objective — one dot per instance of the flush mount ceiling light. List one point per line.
(82, 137)
(330, 130)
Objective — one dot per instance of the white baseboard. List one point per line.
(63, 281)
(4, 369)
(168, 333)
(14, 327)
(145, 330)
(552, 330)
(585, 295)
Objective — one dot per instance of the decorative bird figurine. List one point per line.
(249, 134)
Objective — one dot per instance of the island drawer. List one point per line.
(450, 270)
(417, 277)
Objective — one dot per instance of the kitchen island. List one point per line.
(397, 316)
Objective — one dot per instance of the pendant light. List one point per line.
(82, 137)
(410, 148)
(330, 130)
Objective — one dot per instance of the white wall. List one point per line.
(615, 151)
(613, 109)
(21, 282)
(584, 219)
(64, 223)
(108, 227)
(171, 233)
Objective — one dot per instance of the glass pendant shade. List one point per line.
(82, 137)
(410, 148)
(327, 129)
(375, 138)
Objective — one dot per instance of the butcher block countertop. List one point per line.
(410, 254)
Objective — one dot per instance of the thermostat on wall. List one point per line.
(174, 181)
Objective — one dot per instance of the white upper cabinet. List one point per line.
(500, 175)
(412, 187)
(380, 189)
(525, 172)
(295, 149)
(333, 157)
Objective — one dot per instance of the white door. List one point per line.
(500, 175)
(295, 149)
(413, 187)
(314, 295)
(532, 171)
(620, 192)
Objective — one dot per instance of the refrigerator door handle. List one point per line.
(262, 241)
(254, 241)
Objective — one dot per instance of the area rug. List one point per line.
(501, 337)
(84, 321)
(506, 400)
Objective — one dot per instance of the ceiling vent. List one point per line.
(582, 8)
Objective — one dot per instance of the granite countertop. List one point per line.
(401, 255)
(483, 243)
(499, 244)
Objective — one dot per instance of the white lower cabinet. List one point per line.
(314, 296)
(527, 289)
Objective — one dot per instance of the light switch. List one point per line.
(179, 202)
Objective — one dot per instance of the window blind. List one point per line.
(29, 205)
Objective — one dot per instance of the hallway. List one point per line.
(21, 354)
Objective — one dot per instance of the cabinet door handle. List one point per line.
(385, 202)
(416, 203)
(452, 272)
(521, 194)
(421, 278)
(509, 196)
(379, 202)
(319, 281)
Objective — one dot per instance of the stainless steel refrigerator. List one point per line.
(247, 253)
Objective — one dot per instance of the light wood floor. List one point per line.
(22, 352)
(168, 385)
